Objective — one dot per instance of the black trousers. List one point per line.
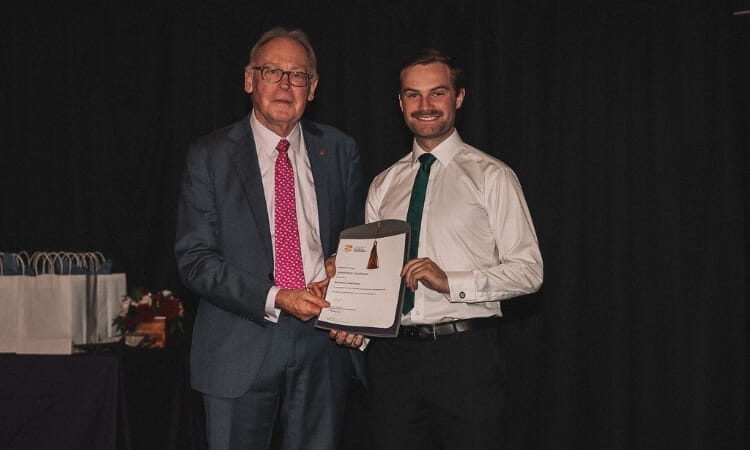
(446, 393)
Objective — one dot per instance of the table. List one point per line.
(127, 399)
(136, 399)
(61, 401)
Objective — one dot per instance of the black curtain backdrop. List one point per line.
(623, 121)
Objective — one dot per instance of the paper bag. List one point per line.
(11, 287)
(45, 315)
(13, 283)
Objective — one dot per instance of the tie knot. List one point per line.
(426, 160)
(282, 146)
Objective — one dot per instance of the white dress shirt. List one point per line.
(305, 199)
(475, 226)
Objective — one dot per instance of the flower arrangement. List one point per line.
(142, 306)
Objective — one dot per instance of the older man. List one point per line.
(262, 203)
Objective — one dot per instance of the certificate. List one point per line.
(366, 294)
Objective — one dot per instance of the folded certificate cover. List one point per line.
(367, 292)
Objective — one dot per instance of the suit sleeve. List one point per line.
(209, 263)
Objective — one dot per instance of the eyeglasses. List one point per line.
(274, 75)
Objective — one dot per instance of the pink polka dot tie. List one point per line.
(289, 271)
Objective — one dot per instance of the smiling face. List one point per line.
(429, 102)
(279, 106)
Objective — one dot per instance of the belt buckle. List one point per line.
(427, 331)
(412, 331)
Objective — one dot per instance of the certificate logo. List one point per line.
(348, 248)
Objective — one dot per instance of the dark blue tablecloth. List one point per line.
(122, 400)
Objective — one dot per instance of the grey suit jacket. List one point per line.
(223, 243)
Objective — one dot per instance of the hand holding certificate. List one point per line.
(367, 291)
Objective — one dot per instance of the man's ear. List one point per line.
(460, 97)
(249, 81)
(400, 102)
(311, 93)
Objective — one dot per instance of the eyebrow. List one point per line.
(293, 69)
(436, 88)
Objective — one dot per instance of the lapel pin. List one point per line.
(322, 152)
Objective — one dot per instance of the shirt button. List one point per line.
(462, 294)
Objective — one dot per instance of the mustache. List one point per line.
(429, 112)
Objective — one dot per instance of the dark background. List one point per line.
(626, 123)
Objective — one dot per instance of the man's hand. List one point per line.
(319, 288)
(300, 303)
(344, 338)
(331, 266)
(426, 271)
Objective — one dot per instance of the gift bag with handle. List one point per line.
(105, 291)
(45, 323)
(14, 283)
(70, 300)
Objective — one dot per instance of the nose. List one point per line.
(285, 83)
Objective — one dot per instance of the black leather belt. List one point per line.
(445, 328)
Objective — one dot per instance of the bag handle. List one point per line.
(20, 262)
(95, 259)
(24, 258)
(47, 262)
(71, 258)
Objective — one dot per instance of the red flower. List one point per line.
(130, 322)
(170, 308)
(144, 313)
(143, 306)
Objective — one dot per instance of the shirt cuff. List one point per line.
(461, 285)
(272, 312)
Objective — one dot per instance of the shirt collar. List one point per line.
(266, 140)
(444, 152)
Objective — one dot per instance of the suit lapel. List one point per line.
(318, 164)
(245, 160)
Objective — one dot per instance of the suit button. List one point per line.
(462, 294)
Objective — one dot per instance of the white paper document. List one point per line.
(365, 294)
